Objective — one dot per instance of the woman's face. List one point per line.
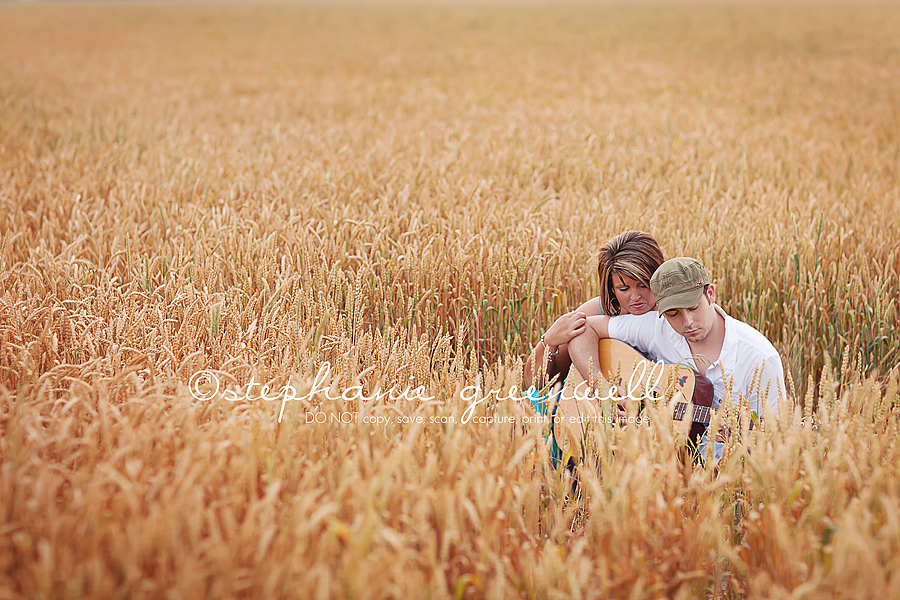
(634, 296)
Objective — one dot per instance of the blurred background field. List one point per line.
(413, 192)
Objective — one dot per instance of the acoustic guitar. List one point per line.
(630, 377)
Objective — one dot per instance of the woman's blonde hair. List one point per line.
(634, 254)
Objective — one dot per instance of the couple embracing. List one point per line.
(668, 311)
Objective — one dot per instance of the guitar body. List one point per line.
(627, 374)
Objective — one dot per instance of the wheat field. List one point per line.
(411, 193)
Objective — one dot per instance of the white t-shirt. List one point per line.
(747, 358)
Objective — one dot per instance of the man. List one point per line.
(696, 332)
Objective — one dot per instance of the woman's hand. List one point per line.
(568, 326)
(551, 357)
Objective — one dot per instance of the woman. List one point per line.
(626, 264)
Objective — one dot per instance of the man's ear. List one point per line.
(711, 293)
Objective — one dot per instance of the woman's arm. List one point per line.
(552, 352)
(584, 351)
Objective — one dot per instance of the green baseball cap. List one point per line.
(679, 283)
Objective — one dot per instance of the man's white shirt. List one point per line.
(748, 360)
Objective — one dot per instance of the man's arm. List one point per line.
(584, 350)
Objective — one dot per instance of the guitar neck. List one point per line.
(700, 414)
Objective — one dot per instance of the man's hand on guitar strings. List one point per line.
(723, 434)
(621, 414)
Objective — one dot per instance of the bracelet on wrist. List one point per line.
(550, 353)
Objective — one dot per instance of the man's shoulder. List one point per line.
(750, 341)
(649, 321)
(648, 333)
(650, 317)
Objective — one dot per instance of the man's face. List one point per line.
(695, 323)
